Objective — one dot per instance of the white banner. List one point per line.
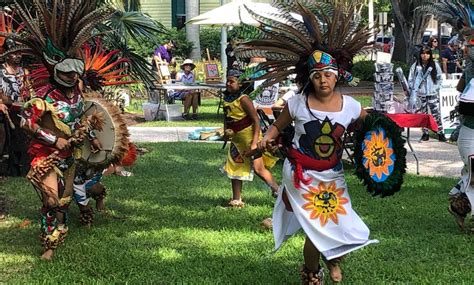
(268, 96)
(447, 101)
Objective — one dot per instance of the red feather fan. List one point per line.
(131, 155)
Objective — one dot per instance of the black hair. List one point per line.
(431, 40)
(431, 63)
(245, 88)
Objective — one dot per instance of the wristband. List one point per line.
(45, 136)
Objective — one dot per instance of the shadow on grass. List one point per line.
(175, 231)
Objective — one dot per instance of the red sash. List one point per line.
(239, 125)
(302, 161)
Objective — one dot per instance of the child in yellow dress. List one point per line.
(241, 120)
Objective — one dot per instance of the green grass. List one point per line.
(175, 231)
(208, 116)
(365, 101)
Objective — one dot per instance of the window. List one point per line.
(180, 21)
(178, 13)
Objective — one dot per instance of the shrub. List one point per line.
(146, 47)
(365, 69)
(210, 38)
(405, 67)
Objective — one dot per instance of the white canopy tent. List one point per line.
(231, 14)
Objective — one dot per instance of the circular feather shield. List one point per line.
(380, 155)
(113, 135)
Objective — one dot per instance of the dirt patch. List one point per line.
(133, 119)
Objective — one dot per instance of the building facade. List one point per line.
(172, 13)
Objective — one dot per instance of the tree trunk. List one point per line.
(409, 28)
(400, 49)
(192, 31)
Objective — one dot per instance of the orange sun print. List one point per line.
(325, 202)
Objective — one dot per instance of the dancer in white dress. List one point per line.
(314, 195)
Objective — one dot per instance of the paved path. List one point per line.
(435, 158)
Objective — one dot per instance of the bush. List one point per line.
(210, 38)
(365, 69)
(145, 47)
(405, 67)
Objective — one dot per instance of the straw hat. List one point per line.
(188, 61)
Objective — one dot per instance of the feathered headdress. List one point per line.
(101, 68)
(458, 13)
(327, 35)
(7, 44)
(57, 31)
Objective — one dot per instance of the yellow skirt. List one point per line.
(237, 166)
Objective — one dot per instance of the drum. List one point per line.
(113, 136)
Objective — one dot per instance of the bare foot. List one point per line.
(100, 205)
(335, 271)
(47, 255)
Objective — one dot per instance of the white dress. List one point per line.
(323, 207)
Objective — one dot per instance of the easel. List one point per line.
(163, 77)
(211, 70)
(162, 71)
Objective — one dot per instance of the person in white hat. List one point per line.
(189, 97)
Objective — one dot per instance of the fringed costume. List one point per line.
(314, 193)
(460, 14)
(101, 69)
(54, 117)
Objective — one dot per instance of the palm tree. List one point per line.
(128, 23)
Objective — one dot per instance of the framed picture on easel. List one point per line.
(212, 70)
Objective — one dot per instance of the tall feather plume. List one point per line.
(331, 26)
(67, 23)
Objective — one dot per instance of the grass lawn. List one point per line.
(208, 116)
(175, 231)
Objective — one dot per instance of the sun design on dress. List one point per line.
(378, 157)
(325, 202)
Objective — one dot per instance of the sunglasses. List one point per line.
(435, 41)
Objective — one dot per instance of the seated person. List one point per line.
(189, 97)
